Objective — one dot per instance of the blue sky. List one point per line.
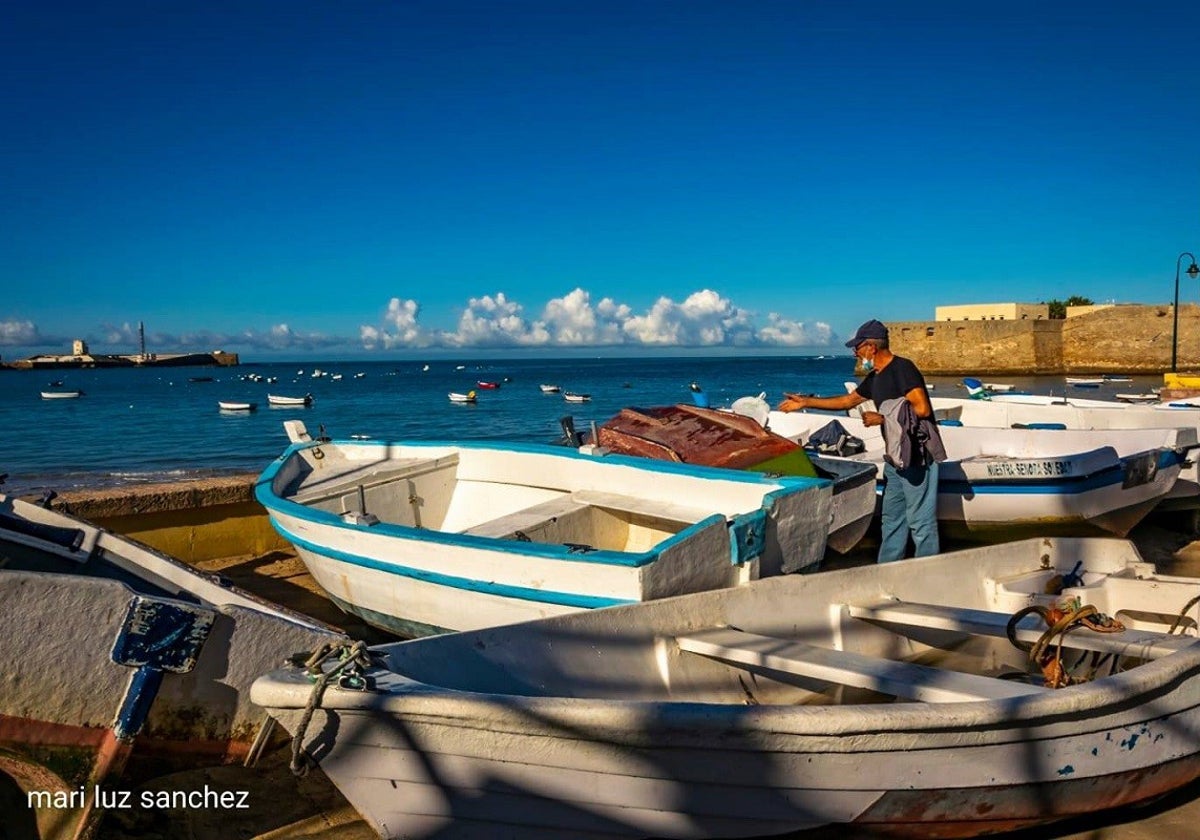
(375, 178)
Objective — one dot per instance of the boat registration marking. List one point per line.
(1030, 469)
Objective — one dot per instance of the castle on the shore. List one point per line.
(81, 357)
(1022, 338)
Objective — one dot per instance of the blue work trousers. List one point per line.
(909, 505)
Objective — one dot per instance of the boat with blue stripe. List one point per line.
(425, 537)
(1000, 484)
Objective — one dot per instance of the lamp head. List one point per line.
(1192, 271)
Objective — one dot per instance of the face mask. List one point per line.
(868, 365)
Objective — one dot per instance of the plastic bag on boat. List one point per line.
(833, 439)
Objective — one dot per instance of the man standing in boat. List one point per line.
(914, 446)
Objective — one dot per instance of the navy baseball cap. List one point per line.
(871, 329)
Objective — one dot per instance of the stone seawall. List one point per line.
(1132, 339)
(194, 521)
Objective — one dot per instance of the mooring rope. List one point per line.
(354, 659)
(1046, 653)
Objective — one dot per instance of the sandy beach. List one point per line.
(282, 806)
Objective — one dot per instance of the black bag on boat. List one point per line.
(833, 439)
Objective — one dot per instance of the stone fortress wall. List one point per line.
(1124, 338)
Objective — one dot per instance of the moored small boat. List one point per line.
(277, 399)
(236, 406)
(456, 397)
(1147, 398)
(424, 537)
(487, 386)
(1006, 483)
(61, 395)
(550, 389)
(886, 699)
(572, 397)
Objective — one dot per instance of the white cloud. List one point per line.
(785, 332)
(495, 322)
(19, 333)
(703, 319)
(400, 328)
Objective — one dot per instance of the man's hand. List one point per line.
(792, 402)
(872, 418)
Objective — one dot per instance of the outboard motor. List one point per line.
(570, 437)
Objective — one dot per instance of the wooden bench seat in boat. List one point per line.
(369, 476)
(526, 519)
(529, 518)
(644, 507)
(902, 679)
(1143, 644)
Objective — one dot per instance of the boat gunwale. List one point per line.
(1128, 691)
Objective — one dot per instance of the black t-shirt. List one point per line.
(896, 380)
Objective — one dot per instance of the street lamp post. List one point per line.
(1192, 271)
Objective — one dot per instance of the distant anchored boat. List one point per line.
(577, 398)
(276, 399)
(550, 389)
(236, 406)
(456, 397)
(61, 395)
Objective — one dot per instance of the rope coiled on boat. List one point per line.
(353, 659)
(1047, 652)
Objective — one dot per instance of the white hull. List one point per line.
(455, 537)
(1080, 415)
(1002, 483)
(275, 399)
(61, 395)
(658, 720)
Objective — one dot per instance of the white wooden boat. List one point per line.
(550, 389)
(885, 698)
(106, 644)
(61, 395)
(421, 538)
(1085, 380)
(236, 406)
(1082, 414)
(576, 398)
(998, 387)
(1005, 483)
(456, 397)
(1147, 398)
(277, 399)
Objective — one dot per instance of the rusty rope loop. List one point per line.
(353, 659)
(1047, 652)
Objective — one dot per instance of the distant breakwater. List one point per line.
(56, 362)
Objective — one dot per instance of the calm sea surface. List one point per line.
(141, 425)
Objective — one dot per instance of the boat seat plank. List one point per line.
(372, 475)
(902, 679)
(1143, 644)
(526, 519)
(645, 507)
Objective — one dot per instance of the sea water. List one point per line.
(153, 424)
